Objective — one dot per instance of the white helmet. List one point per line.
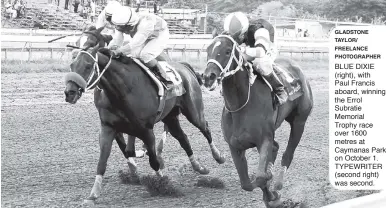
(236, 22)
(125, 16)
(111, 7)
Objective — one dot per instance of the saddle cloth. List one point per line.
(177, 89)
(290, 82)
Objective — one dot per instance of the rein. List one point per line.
(226, 72)
(95, 68)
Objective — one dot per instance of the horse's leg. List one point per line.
(148, 139)
(127, 151)
(130, 151)
(105, 142)
(275, 150)
(194, 112)
(297, 124)
(242, 168)
(130, 148)
(174, 127)
(160, 146)
(122, 144)
(264, 173)
(271, 198)
(268, 152)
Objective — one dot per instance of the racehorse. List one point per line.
(90, 38)
(251, 116)
(129, 103)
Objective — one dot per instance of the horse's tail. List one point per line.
(198, 75)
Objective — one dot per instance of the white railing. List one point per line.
(38, 41)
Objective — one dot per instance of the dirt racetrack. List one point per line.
(50, 151)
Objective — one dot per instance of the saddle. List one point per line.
(291, 83)
(165, 92)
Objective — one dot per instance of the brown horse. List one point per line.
(90, 38)
(250, 117)
(129, 103)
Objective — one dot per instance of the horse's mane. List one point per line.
(123, 59)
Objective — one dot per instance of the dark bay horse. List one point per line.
(90, 38)
(128, 103)
(250, 118)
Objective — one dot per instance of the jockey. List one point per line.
(104, 18)
(150, 35)
(259, 39)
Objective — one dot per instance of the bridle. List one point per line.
(95, 69)
(226, 72)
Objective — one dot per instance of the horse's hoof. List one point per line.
(276, 196)
(220, 159)
(275, 204)
(132, 168)
(202, 170)
(88, 203)
(159, 173)
(140, 153)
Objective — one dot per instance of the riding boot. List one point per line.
(278, 87)
(160, 73)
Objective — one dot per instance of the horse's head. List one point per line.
(84, 68)
(84, 74)
(223, 60)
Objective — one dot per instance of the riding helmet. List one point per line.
(236, 23)
(125, 16)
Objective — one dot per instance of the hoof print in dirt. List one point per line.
(185, 168)
(160, 186)
(209, 182)
(129, 178)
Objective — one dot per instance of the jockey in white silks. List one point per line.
(149, 37)
(261, 50)
(104, 18)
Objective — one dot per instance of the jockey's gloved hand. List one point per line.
(115, 53)
(245, 56)
(113, 47)
(242, 49)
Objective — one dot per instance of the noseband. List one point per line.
(95, 69)
(227, 72)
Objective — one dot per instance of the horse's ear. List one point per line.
(99, 30)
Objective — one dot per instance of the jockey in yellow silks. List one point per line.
(149, 37)
(260, 48)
